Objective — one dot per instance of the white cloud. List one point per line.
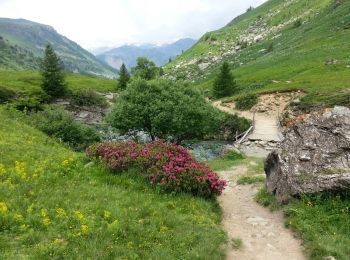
(94, 23)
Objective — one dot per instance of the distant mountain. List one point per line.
(22, 44)
(128, 54)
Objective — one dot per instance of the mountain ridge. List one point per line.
(128, 54)
(33, 37)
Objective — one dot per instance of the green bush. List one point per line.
(32, 104)
(246, 102)
(297, 23)
(165, 109)
(231, 125)
(88, 98)
(58, 124)
(6, 95)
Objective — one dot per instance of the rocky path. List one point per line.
(262, 232)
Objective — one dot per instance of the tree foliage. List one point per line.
(224, 84)
(124, 77)
(52, 71)
(165, 109)
(145, 69)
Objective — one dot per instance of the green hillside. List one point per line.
(15, 57)
(281, 45)
(54, 207)
(24, 41)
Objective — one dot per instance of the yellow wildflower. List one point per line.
(46, 221)
(18, 217)
(106, 215)
(3, 208)
(43, 213)
(163, 229)
(65, 163)
(79, 216)
(2, 169)
(61, 212)
(20, 169)
(84, 229)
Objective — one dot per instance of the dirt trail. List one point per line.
(262, 232)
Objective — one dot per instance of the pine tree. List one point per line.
(124, 77)
(224, 84)
(52, 71)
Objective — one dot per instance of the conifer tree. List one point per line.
(124, 77)
(224, 84)
(52, 71)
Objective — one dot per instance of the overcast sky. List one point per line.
(97, 23)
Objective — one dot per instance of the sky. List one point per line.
(111, 23)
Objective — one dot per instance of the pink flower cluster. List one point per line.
(169, 167)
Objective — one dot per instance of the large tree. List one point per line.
(164, 109)
(224, 84)
(124, 77)
(145, 69)
(52, 71)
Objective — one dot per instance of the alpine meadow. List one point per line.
(150, 136)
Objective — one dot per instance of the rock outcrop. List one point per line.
(315, 156)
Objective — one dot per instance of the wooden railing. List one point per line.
(246, 133)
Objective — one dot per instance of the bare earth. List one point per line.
(262, 232)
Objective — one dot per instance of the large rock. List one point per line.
(315, 156)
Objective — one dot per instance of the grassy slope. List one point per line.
(57, 208)
(15, 57)
(29, 82)
(322, 221)
(298, 55)
(33, 37)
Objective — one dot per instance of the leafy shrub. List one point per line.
(233, 124)
(164, 109)
(232, 156)
(209, 37)
(145, 69)
(33, 104)
(58, 124)
(297, 23)
(6, 94)
(88, 98)
(246, 102)
(168, 167)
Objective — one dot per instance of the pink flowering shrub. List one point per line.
(168, 166)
